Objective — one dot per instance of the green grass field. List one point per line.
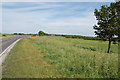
(10, 35)
(0, 35)
(58, 57)
(7, 35)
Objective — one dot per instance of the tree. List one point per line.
(117, 7)
(41, 33)
(108, 22)
(15, 33)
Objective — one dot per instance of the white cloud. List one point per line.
(64, 18)
(32, 22)
(30, 6)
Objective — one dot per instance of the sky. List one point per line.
(57, 0)
(76, 18)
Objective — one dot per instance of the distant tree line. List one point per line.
(17, 34)
(22, 34)
(41, 33)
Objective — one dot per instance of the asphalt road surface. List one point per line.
(7, 41)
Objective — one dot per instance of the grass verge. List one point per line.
(25, 61)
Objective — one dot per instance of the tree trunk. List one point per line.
(109, 45)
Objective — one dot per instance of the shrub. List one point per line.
(4, 35)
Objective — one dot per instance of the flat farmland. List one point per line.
(59, 57)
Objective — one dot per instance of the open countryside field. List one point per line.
(0, 35)
(10, 35)
(7, 35)
(59, 57)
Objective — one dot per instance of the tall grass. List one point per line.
(25, 61)
(79, 58)
(50, 57)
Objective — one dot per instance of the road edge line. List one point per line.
(9, 47)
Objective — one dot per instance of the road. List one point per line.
(7, 41)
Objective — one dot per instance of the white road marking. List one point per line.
(9, 47)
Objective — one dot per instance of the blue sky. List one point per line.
(52, 17)
(57, 0)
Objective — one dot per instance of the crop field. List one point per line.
(59, 57)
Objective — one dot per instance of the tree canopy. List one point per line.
(41, 33)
